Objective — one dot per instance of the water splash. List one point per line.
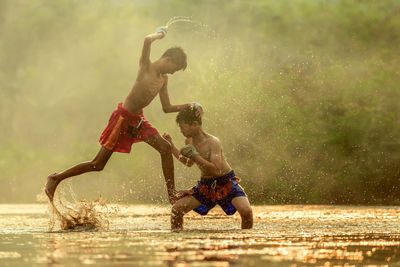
(198, 25)
(81, 215)
(179, 19)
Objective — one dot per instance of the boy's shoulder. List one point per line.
(213, 140)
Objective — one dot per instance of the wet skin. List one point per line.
(151, 81)
(212, 163)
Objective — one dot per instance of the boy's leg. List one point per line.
(97, 164)
(179, 209)
(243, 207)
(167, 162)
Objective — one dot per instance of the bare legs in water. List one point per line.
(188, 203)
(97, 164)
(101, 159)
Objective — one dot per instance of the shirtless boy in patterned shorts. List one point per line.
(218, 183)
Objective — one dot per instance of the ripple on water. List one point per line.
(283, 236)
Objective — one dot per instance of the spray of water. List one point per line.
(81, 215)
(198, 25)
(179, 19)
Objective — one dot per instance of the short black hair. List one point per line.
(177, 55)
(189, 115)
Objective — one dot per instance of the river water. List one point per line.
(139, 235)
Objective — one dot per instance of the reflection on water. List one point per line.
(139, 234)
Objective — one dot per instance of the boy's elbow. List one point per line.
(166, 109)
(147, 39)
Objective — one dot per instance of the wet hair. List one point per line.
(177, 55)
(188, 115)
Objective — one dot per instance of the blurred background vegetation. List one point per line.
(304, 95)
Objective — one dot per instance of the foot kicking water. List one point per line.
(51, 186)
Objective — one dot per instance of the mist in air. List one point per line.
(304, 96)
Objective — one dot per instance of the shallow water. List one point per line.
(139, 234)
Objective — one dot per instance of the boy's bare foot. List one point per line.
(51, 186)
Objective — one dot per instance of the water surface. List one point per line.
(139, 234)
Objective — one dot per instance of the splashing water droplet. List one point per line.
(202, 26)
(179, 19)
(82, 215)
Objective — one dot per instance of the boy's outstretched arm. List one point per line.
(145, 57)
(165, 102)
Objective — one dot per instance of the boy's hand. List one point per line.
(198, 107)
(183, 193)
(189, 151)
(168, 138)
(162, 29)
(174, 196)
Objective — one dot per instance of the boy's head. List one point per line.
(174, 60)
(189, 120)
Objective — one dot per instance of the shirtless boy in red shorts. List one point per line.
(127, 124)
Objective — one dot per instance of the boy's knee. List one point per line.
(165, 148)
(96, 166)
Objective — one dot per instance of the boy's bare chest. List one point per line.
(149, 86)
(152, 83)
(204, 149)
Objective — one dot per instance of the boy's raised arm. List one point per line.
(159, 34)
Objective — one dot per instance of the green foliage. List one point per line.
(303, 95)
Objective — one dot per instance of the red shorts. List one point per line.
(125, 128)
